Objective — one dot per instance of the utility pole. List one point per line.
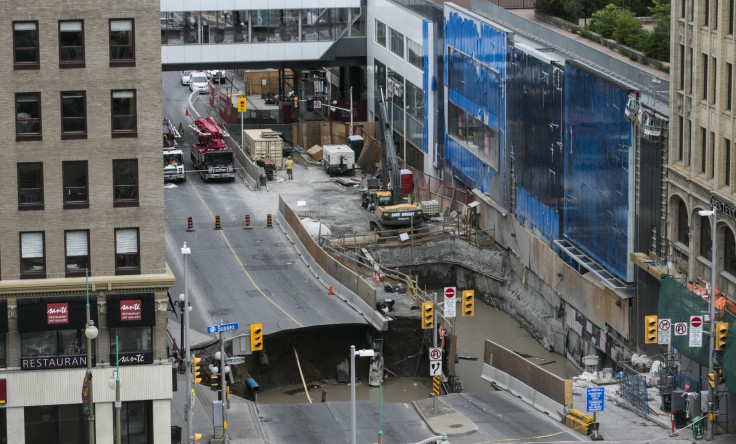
(712, 315)
(186, 251)
(435, 401)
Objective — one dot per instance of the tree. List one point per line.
(658, 42)
(604, 20)
(628, 30)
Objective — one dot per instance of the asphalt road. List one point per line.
(233, 274)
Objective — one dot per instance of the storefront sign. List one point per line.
(130, 310)
(134, 358)
(42, 363)
(723, 207)
(57, 313)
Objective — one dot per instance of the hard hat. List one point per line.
(289, 157)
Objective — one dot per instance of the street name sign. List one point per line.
(222, 328)
(235, 360)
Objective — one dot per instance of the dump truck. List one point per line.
(210, 155)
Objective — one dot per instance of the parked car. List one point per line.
(217, 75)
(186, 76)
(199, 82)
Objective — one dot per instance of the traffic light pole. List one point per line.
(711, 340)
(434, 342)
(185, 251)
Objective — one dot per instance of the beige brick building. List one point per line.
(82, 190)
(701, 153)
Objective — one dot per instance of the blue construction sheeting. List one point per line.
(534, 134)
(425, 85)
(597, 174)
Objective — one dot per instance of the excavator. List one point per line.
(387, 203)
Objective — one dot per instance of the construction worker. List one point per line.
(289, 166)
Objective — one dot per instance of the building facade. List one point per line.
(82, 207)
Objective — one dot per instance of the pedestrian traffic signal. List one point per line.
(650, 329)
(256, 337)
(296, 102)
(242, 104)
(427, 315)
(712, 380)
(195, 370)
(468, 306)
(721, 335)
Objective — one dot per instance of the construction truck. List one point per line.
(173, 156)
(210, 155)
(387, 203)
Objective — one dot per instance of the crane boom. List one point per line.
(390, 173)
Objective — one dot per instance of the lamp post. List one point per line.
(333, 107)
(114, 384)
(712, 315)
(365, 354)
(185, 251)
(90, 331)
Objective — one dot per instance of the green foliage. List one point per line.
(661, 10)
(628, 30)
(657, 44)
(604, 20)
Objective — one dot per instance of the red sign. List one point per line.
(57, 313)
(130, 310)
(696, 321)
(449, 292)
(3, 399)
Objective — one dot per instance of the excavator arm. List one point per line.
(390, 173)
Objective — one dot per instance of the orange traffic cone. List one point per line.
(330, 292)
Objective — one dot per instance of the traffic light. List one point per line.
(712, 380)
(468, 302)
(215, 381)
(195, 370)
(721, 335)
(427, 315)
(296, 102)
(256, 337)
(650, 329)
(720, 376)
(197, 437)
(242, 104)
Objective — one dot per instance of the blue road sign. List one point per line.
(222, 328)
(595, 399)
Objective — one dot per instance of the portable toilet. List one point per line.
(407, 183)
(355, 143)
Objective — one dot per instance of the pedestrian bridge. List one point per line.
(263, 33)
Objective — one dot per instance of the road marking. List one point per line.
(222, 233)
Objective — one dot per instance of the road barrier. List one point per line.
(190, 224)
(217, 223)
(269, 223)
(247, 222)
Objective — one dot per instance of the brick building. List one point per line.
(82, 190)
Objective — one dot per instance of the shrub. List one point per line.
(604, 20)
(628, 30)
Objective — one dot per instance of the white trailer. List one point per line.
(338, 159)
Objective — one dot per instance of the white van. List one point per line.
(198, 82)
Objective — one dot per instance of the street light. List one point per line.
(90, 331)
(712, 315)
(333, 107)
(186, 251)
(365, 354)
(114, 384)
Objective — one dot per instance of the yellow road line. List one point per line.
(239, 262)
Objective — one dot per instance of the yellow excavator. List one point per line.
(387, 203)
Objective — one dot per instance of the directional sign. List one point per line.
(680, 328)
(222, 328)
(450, 302)
(435, 361)
(235, 360)
(696, 331)
(595, 399)
(664, 335)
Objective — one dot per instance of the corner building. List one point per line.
(82, 195)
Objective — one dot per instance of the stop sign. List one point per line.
(449, 292)
(696, 321)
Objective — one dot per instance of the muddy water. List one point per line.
(472, 331)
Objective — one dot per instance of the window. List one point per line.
(415, 53)
(397, 43)
(730, 16)
(690, 74)
(125, 182)
(25, 45)
(682, 227)
(682, 8)
(381, 33)
(713, 155)
(71, 44)
(73, 115)
(30, 186)
(704, 92)
(688, 152)
(729, 86)
(680, 138)
(124, 114)
(136, 423)
(705, 240)
(715, 15)
(682, 66)
(131, 340)
(35, 344)
(27, 116)
(712, 94)
(706, 13)
(127, 256)
(32, 256)
(727, 162)
(77, 252)
(55, 424)
(729, 252)
(122, 43)
(703, 149)
(76, 190)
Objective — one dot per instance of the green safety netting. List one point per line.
(677, 303)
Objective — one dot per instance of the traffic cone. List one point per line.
(186, 111)
(330, 292)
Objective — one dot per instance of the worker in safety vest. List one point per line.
(289, 166)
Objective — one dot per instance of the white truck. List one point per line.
(173, 156)
(338, 159)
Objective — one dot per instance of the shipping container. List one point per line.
(260, 143)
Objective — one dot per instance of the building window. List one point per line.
(712, 163)
(124, 120)
(704, 92)
(705, 240)
(76, 190)
(77, 252)
(30, 186)
(714, 70)
(706, 13)
(703, 149)
(727, 162)
(690, 74)
(71, 44)
(122, 43)
(682, 8)
(131, 342)
(25, 45)
(729, 252)
(729, 86)
(715, 15)
(136, 423)
(127, 256)
(415, 53)
(36, 344)
(73, 115)
(682, 227)
(680, 138)
(381, 33)
(682, 66)
(125, 182)
(32, 255)
(730, 16)
(27, 116)
(397, 42)
(55, 424)
(688, 137)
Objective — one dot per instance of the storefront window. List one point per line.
(55, 424)
(136, 423)
(53, 343)
(134, 345)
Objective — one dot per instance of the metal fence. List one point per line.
(634, 389)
